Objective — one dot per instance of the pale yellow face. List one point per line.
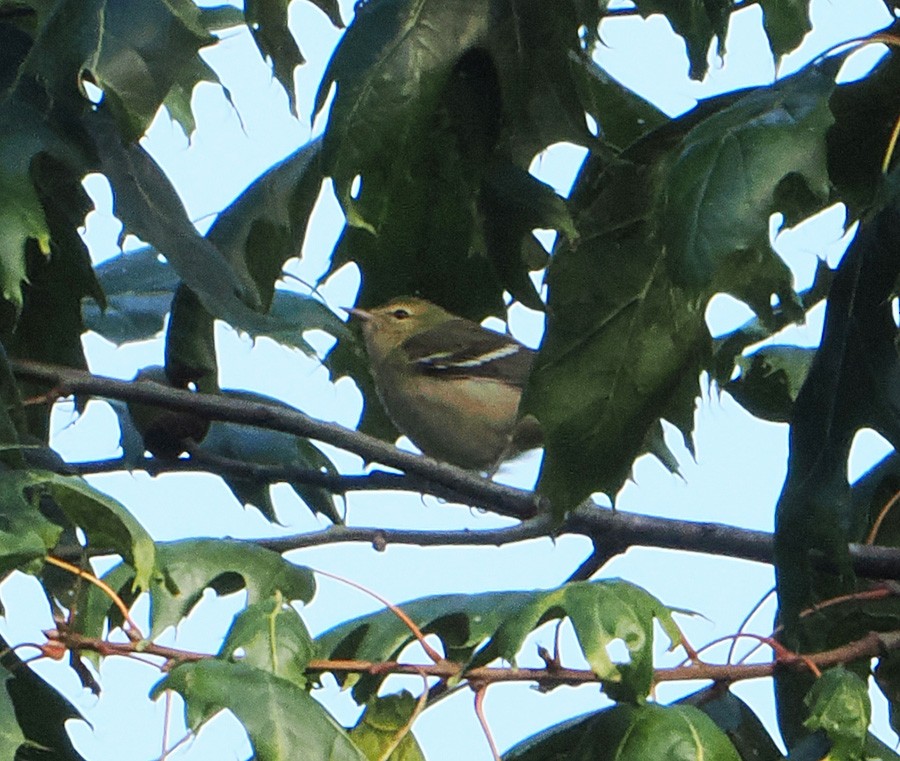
(386, 327)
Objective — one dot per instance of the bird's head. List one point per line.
(386, 327)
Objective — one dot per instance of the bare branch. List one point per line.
(612, 532)
(871, 645)
(471, 487)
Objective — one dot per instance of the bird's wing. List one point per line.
(464, 349)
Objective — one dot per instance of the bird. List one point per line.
(450, 385)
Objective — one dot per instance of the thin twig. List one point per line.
(102, 585)
(396, 610)
(482, 719)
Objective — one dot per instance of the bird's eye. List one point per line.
(400, 314)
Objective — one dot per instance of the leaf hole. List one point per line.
(355, 187)
(89, 88)
(618, 651)
(725, 314)
(867, 449)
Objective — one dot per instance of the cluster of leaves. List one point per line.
(439, 109)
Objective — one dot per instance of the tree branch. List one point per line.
(871, 645)
(612, 532)
(471, 487)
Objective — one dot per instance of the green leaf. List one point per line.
(887, 677)
(619, 352)
(151, 209)
(729, 347)
(630, 733)
(139, 286)
(485, 86)
(839, 705)
(722, 187)
(13, 420)
(267, 20)
(273, 638)
(188, 567)
(816, 514)
(251, 445)
(279, 717)
(786, 23)
(600, 612)
(517, 203)
(33, 714)
(107, 524)
(25, 533)
(191, 360)
(738, 721)
(397, 41)
(698, 23)
(33, 137)
(864, 122)
(626, 337)
(133, 53)
(770, 379)
(622, 115)
(266, 224)
(292, 314)
(11, 736)
(384, 719)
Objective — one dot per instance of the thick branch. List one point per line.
(470, 486)
(612, 532)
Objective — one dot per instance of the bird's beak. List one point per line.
(359, 314)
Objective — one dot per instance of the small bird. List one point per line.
(450, 385)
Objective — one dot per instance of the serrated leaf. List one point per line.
(267, 20)
(485, 86)
(279, 717)
(516, 203)
(150, 208)
(266, 224)
(380, 724)
(25, 533)
(392, 42)
(601, 613)
(188, 567)
(618, 352)
(11, 736)
(626, 337)
(629, 733)
(248, 444)
(107, 524)
(272, 637)
(33, 714)
(786, 23)
(134, 53)
(500, 621)
(622, 116)
(721, 188)
(698, 23)
(139, 286)
(839, 705)
(863, 112)
(770, 379)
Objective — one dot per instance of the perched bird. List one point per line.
(450, 385)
